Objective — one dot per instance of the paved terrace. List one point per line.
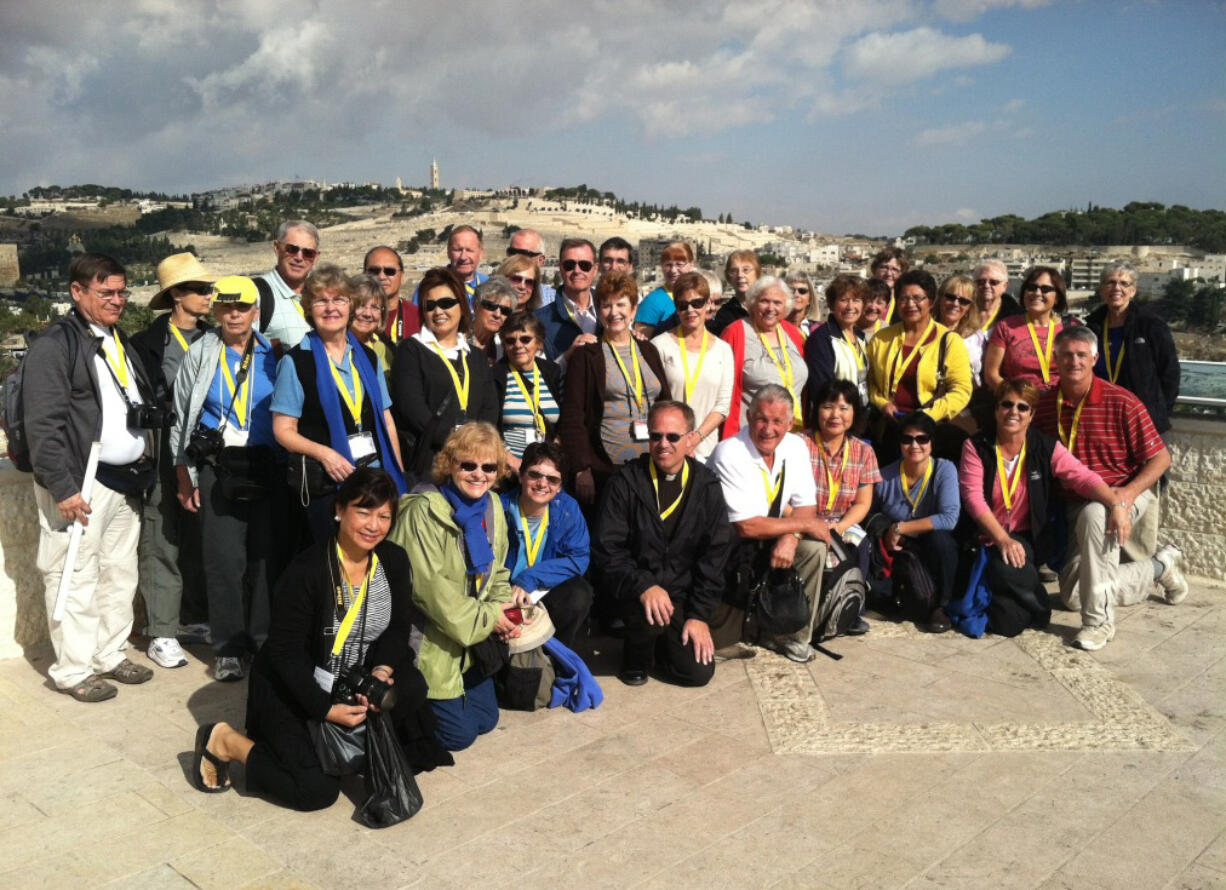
(918, 761)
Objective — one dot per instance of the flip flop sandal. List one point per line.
(92, 689)
(202, 753)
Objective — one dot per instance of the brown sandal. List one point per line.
(92, 689)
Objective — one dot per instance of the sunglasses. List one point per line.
(672, 437)
(961, 301)
(444, 303)
(308, 253)
(538, 476)
(385, 271)
(200, 289)
(523, 251)
(982, 282)
(800, 290)
(1044, 289)
(521, 340)
(491, 306)
(696, 303)
(522, 280)
(917, 439)
(1007, 405)
(584, 265)
(471, 466)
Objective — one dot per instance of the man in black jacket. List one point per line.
(660, 551)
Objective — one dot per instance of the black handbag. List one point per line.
(245, 472)
(779, 602)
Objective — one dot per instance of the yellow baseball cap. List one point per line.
(235, 289)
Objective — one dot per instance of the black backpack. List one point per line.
(12, 408)
(843, 593)
(267, 302)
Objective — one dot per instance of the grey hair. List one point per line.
(771, 394)
(1116, 266)
(713, 282)
(993, 264)
(286, 227)
(1077, 332)
(770, 282)
(497, 288)
(363, 289)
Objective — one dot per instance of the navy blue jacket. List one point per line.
(567, 545)
(560, 328)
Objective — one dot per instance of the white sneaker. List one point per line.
(794, 650)
(1094, 638)
(166, 652)
(1172, 581)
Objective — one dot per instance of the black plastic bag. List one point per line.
(392, 792)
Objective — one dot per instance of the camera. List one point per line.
(355, 681)
(204, 445)
(150, 417)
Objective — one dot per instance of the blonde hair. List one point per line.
(325, 277)
(473, 439)
(961, 286)
(367, 289)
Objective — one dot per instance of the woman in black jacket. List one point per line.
(438, 381)
(341, 604)
(1135, 346)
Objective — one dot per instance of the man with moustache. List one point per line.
(660, 551)
(571, 319)
(528, 242)
(281, 317)
(403, 318)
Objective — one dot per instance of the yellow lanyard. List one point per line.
(532, 548)
(1113, 374)
(772, 490)
(857, 349)
(685, 362)
(1008, 487)
(685, 477)
(832, 484)
(297, 305)
(907, 486)
(896, 374)
(638, 372)
(178, 336)
(784, 368)
(1070, 440)
(889, 312)
(240, 402)
(534, 401)
(354, 402)
(987, 324)
(342, 632)
(119, 363)
(461, 386)
(1044, 360)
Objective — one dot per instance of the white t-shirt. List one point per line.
(119, 445)
(740, 467)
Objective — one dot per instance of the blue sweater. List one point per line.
(566, 550)
(941, 501)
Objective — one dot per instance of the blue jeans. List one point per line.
(461, 720)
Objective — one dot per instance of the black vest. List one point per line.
(312, 424)
(1039, 449)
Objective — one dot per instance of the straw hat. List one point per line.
(176, 269)
(537, 629)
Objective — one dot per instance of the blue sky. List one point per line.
(843, 117)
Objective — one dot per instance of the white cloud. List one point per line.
(955, 134)
(1013, 106)
(965, 10)
(906, 56)
(966, 213)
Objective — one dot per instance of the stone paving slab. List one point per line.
(916, 761)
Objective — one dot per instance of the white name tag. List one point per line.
(234, 437)
(532, 435)
(638, 430)
(361, 445)
(324, 679)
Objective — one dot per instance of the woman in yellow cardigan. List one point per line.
(917, 364)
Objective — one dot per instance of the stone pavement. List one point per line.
(915, 761)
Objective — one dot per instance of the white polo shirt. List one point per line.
(287, 323)
(740, 468)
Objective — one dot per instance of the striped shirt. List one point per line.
(517, 419)
(378, 616)
(861, 469)
(1115, 436)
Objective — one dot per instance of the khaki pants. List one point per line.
(98, 615)
(1094, 580)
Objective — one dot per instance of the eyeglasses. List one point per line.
(521, 340)
(913, 298)
(308, 253)
(696, 303)
(367, 312)
(491, 306)
(584, 265)
(471, 466)
(523, 251)
(330, 301)
(385, 271)
(200, 289)
(917, 439)
(538, 476)
(1044, 289)
(1007, 405)
(117, 296)
(672, 437)
(523, 280)
(961, 301)
(445, 303)
(1116, 282)
(984, 282)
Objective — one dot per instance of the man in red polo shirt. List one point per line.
(1108, 429)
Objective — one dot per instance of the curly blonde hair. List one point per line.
(325, 277)
(472, 441)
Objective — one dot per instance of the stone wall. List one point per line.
(1194, 517)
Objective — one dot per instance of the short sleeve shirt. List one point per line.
(656, 306)
(746, 479)
(859, 469)
(1021, 359)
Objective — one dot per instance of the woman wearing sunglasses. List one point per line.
(697, 364)
(493, 304)
(919, 495)
(455, 534)
(956, 309)
(529, 387)
(835, 350)
(1022, 345)
(806, 311)
(1006, 484)
(525, 276)
(437, 380)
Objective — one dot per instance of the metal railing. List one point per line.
(1202, 389)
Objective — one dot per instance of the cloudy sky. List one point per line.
(865, 116)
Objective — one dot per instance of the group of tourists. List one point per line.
(371, 498)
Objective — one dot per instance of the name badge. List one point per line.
(234, 437)
(532, 435)
(361, 445)
(638, 430)
(324, 679)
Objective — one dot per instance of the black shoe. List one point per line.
(632, 676)
(859, 629)
(938, 621)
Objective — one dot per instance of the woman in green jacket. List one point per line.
(456, 536)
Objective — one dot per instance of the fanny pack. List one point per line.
(135, 478)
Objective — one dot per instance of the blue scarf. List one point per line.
(330, 401)
(470, 516)
(573, 685)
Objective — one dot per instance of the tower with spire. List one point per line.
(434, 173)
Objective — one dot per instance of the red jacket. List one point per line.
(734, 336)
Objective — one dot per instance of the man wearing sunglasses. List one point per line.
(571, 320)
(529, 243)
(661, 546)
(403, 319)
(281, 317)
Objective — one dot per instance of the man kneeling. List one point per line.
(662, 542)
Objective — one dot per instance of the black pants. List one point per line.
(568, 605)
(1019, 599)
(646, 644)
(939, 553)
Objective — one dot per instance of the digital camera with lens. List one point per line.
(150, 417)
(204, 445)
(355, 681)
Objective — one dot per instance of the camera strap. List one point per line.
(358, 605)
(239, 379)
